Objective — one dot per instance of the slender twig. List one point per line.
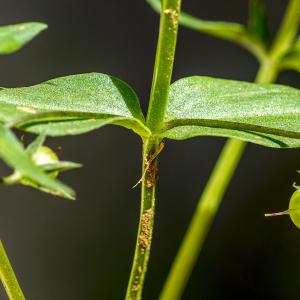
(8, 277)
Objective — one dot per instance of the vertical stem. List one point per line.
(8, 277)
(163, 63)
(144, 237)
(287, 31)
(151, 148)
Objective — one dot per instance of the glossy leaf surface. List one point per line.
(263, 114)
(13, 37)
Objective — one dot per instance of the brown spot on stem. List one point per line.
(150, 166)
(173, 14)
(145, 233)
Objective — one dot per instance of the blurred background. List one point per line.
(83, 250)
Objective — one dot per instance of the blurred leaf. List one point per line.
(258, 21)
(263, 114)
(234, 32)
(292, 60)
(12, 152)
(35, 145)
(61, 166)
(72, 105)
(296, 47)
(13, 37)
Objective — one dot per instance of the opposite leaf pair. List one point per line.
(263, 114)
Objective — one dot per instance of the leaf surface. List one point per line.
(268, 115)
(13, 37)
(72, 105)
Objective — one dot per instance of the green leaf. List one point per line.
(72, 105)
(61, 166)
(231, 31)
(263, 114)
(12, 152)
(35, 145)
(258, 21)
(13, 37)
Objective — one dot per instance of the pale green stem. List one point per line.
(151, 148)
(216, 187)
(163, 63)
(8, 277)
(287, 31)
(144, 236)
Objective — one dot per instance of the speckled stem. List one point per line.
(144, 236)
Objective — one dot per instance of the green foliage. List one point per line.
(264, 114)
(47, 161)
(12, 152)
(72, 105)
(196, 106)
(13, 37)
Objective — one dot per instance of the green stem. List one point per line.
(163, 63)
(144, 237)
(8, 277)
(287, 31)
(220, 178)
(151, 148)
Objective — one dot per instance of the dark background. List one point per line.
(83, 249)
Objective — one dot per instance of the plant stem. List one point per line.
(144, 237)
(163, 63)
(220, 178)
(287, 31)
(152, 147)
(8, 277)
